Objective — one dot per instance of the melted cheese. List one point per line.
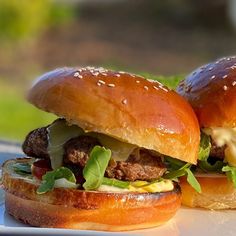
(225, 136)
(60, 132)
(120, 150)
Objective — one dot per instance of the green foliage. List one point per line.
(17, 116)
(26, 19)
(169, 81)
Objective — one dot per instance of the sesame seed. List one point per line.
(124, 101)
(111, 85)
(166, 90)
(234, 83)
(96, 73)
(137, 81)
(228, 59)
(104, 74)
(76, 74)
(225, 87)
(117, 75)
(213, 77)
(80, 76)
(99, 84)
(146, 87)
(121, 72)
(217, 62)
(101, 81)
(225, 76)
(210, 68)
(155, 87)
(132, 75)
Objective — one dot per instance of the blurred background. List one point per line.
(162, 39)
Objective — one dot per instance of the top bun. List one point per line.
(211, 90)
(122, 105)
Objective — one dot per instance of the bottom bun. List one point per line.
(91, 210)
(218, 193)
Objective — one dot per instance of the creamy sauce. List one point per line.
(142, 187)
(106, 188)
(224, 136)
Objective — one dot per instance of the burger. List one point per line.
(111, 160)
(211, 90)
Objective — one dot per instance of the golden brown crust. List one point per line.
(76, 209)
(211, 90)
(218, 193)
(121, 105)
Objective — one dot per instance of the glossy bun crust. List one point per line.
(211, 90)
(77, 209)
(121, 105)
(218, 193)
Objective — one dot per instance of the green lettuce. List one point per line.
(22, 168)
(204, 147)
(184, 170)
(204, 162)
(48, 180)
(231, 173)
(95, 167)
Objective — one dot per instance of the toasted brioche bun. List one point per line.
(218, 193)
(211, 90)
(122, 105)
(93, 210)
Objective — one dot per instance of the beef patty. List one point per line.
(140, 165)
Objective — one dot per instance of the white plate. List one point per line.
(186, 222)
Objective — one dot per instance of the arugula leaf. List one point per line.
(193, 181)
(184, 170)
(203, 156)
(95, 167)
(173, 163)
(206, 166)
(115, 182)
(177, 173)
(22, 168)
(205, 147)
(48, 180)
(231, 173)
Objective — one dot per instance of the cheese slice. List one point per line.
(60, 132)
